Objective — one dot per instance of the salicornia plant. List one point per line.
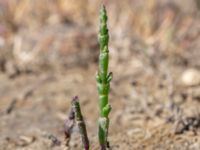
(103, 80)
(80, 122)
(103, 84)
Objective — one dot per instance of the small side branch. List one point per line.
(80, 122)
(68, 126)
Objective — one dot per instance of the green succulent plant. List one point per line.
(103, 79)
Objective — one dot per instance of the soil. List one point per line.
(153, 107)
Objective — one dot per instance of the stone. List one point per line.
(191, 77)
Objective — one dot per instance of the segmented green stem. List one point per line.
(81, 123)
(103, 80)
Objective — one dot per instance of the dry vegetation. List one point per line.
(48, 53)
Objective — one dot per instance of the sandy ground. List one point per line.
(155, 92)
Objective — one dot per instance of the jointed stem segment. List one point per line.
(103, 84)
(103, 80)
(81, 123)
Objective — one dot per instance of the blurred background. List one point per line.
(49, 53)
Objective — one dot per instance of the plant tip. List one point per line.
(75, 98)
(104, 3)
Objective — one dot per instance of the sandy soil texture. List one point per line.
(50, 55)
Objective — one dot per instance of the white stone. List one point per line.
(191, 77)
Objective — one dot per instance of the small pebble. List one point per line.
(191, 77)
(26, 140)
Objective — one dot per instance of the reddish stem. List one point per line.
(104, 2)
